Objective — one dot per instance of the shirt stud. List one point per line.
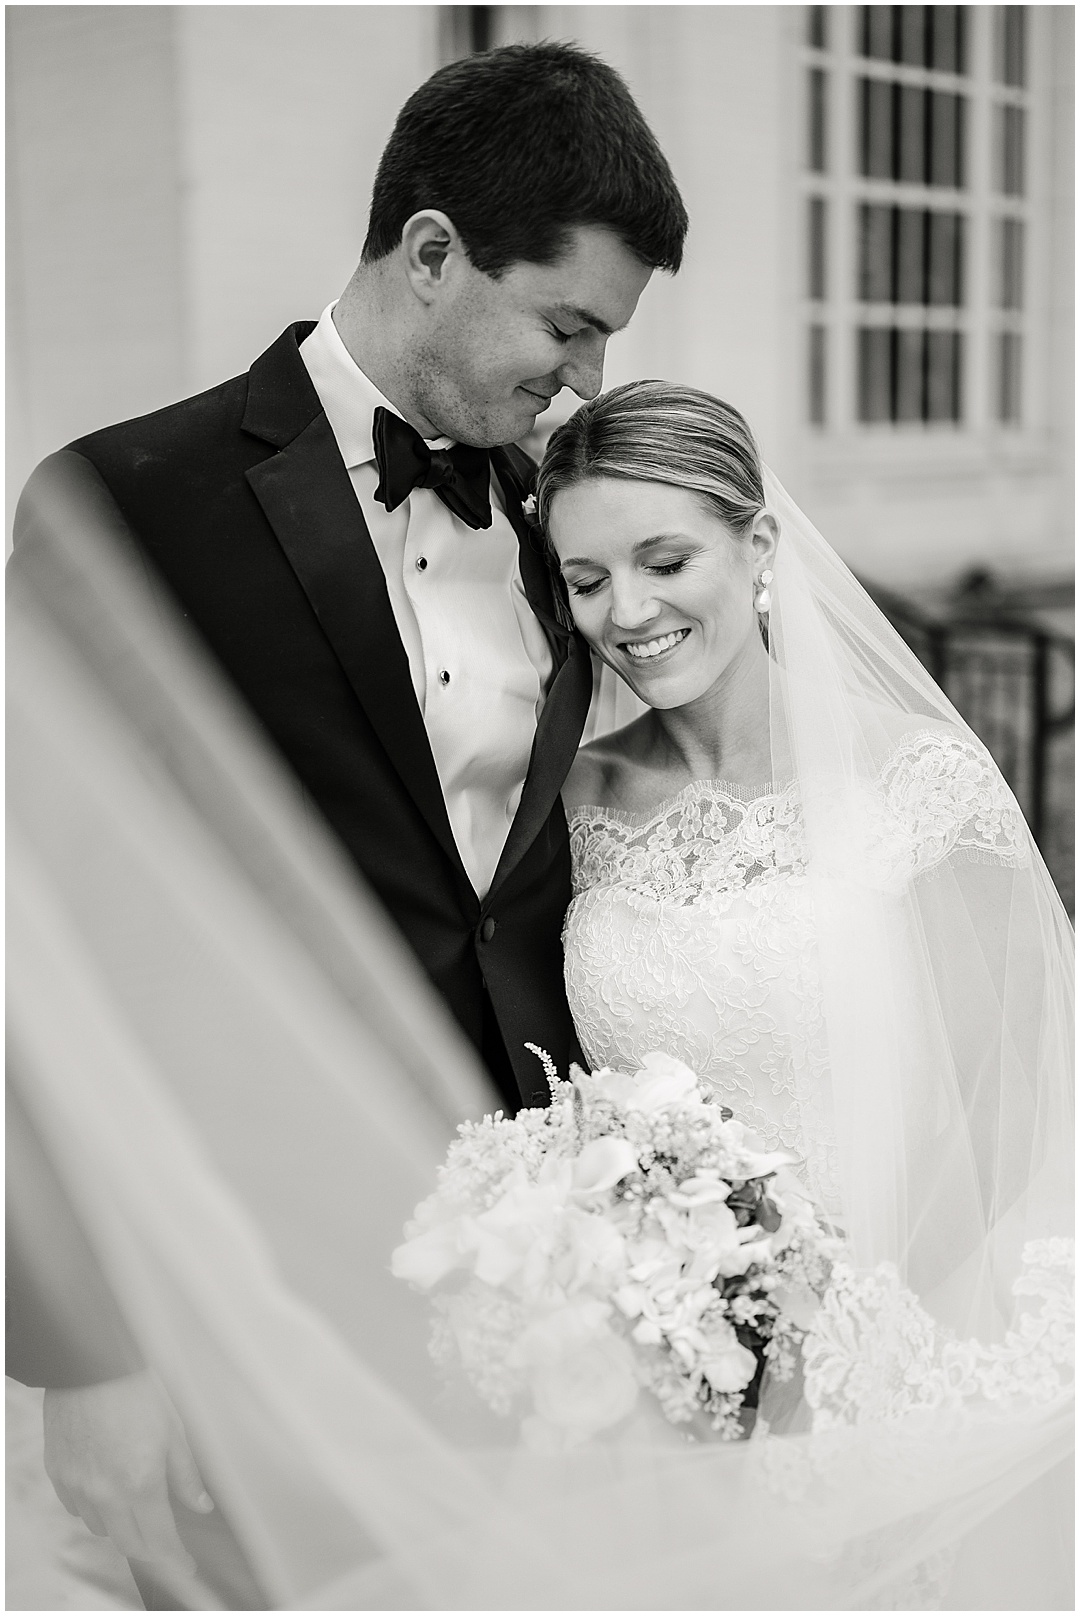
(444, 676)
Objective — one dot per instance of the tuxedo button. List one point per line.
(421, 563)
(487, 930)
(444, 677)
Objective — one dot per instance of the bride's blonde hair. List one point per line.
(657, 432)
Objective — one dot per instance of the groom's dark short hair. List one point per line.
(520, 145)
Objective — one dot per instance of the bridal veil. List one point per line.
(235, 1080)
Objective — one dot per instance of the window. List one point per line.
(915, 222)
(912, 132)
(1010, 113)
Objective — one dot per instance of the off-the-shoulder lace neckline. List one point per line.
(695, 789)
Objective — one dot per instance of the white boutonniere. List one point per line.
(528, 507)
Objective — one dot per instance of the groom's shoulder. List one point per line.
(185, 428)
(195, 434)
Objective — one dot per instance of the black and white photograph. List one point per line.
(540, 807)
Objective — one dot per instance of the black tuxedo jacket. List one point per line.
(240, 500)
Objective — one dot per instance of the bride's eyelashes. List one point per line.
(659, 569)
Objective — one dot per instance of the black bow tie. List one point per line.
(460, 476)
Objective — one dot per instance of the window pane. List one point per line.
(910, 276)
(946, 165)
(876, 132)
(875, 253)
(1009, 45)
(817, 30)
(945, 255)
(1010, 263)
(816, 245)
(818, 154)
(816, 376)
(943, 375)
(876, 32)
(912, 134)
(910, 347)
(913, 35)
(1010, 150)
(947, 38)
(1009, 357)
(874, 374)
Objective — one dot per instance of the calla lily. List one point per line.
(699, 1190)
(602, 1163)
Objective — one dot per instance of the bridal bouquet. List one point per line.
(628, 1236)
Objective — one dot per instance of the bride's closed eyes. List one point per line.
(659, 569)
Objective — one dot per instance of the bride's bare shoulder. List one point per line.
(601, 771)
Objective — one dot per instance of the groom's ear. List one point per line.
(429, 244)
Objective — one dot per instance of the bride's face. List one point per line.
(658, 585)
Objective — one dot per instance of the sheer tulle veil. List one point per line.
(242, 1086)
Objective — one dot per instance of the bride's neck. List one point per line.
(723, 734)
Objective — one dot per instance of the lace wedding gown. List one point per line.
(692, 928)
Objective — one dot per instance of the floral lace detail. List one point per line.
(692, 928)
(704, 842)
(874, 1353)
(942, 794)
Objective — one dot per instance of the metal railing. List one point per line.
(1011, 678)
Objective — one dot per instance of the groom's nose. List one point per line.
(583, 367)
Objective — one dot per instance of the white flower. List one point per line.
(661, 1081)
(560, 1331)
(602, 1163)
(726, 1365)
(513, 1239)
(586, 1390)
(704, 1187)
(430, 1256)
(591, 1250)
(797, 1302)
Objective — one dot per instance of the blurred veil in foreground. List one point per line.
(231, 1079)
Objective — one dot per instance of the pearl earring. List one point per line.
(763, 600)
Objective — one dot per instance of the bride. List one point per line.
(798, 870)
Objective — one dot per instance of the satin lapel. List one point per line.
(557, 736)
(566, 705)
(308, 499)
(516, 484)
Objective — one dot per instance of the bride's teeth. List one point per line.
(653, 648)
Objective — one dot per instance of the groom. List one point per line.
(345, 527)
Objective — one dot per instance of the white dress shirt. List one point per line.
(478, 657)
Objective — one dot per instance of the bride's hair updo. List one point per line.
(656, 432)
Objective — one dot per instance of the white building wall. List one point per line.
(186, 180)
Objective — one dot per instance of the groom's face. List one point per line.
(496, 351)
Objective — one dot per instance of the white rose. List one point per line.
(587, 1390)
(662, 1080)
